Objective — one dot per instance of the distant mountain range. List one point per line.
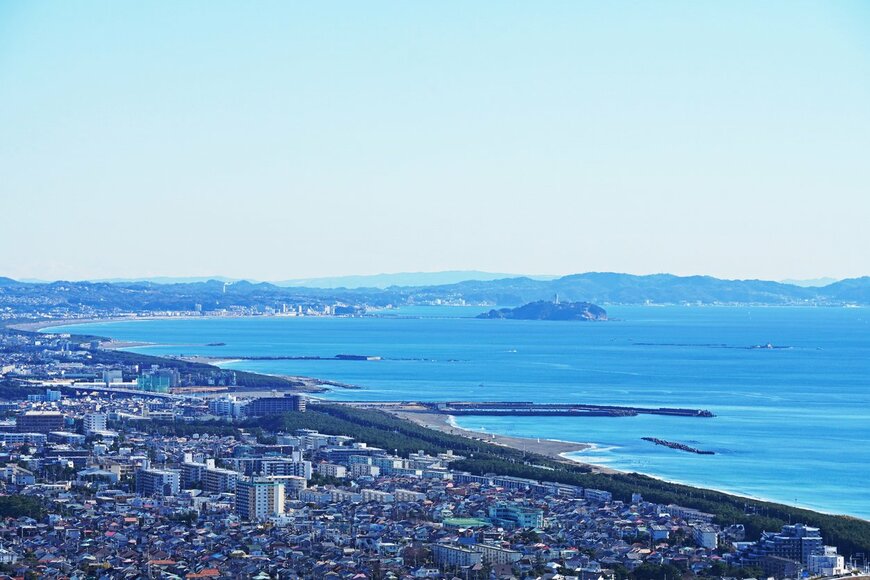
(403, 279)
(361, 281)
(596, 287)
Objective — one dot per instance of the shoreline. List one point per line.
(561, 451)
(38, 325)
(551, 448)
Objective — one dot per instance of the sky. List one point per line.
(278, 140)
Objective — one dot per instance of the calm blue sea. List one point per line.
(792, 423)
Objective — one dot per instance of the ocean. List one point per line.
(792, 422)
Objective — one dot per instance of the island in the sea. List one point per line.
(550, 310)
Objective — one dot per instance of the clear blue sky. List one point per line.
(281, 140)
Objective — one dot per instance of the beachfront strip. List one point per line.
(119, 496)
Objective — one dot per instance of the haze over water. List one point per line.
(792, 424)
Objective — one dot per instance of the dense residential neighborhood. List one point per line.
(319, 506)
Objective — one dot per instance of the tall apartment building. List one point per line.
(191, 473)
(270, 466)
(275, 405)
(217, 480)
(259, 498)
(94, 422)
(150, 482)
(227, 407)
(157, 380)
(795, 542)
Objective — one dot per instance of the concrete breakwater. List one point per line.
(525, 408)
(678, 446)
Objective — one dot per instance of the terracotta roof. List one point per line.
(206, 573)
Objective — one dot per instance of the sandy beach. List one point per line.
(552, 448)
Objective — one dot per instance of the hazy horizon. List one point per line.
(285, 141)
(419, 278)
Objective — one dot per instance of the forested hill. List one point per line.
(546, 310)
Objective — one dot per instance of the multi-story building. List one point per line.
(405, 495)
(597, 495)
(496, 555)
(38, 439)
(94, 422)
(259, 498)
(331, 470)
(275, 405)
(48, 397)
(217, 480)
(688, 514)
(828, 563)
(377, 495)
(286, 467)
(39, 422)
(364, 470)
(293, 484)
(794, 542)
(787, 552)
(113, 376)
(511, 515)
(706, 536)
(157, 380)
(388, 464)
(226, 407)
(150, 482)
(449, 556)
(191, 473)
(270, 466)
(342, 495)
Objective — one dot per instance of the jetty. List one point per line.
(528, 408)
(678, 446)
(559, 409)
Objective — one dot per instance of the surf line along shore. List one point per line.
(551, 448)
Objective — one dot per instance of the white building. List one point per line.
(331, 470)
(94, 422)
(448, 556)
(293, 484)
(496, 555)
(227, 407)
(364, 470)
(217, 480)
(150, 482)
(828, 563)
(113, 376)
(377, 495)
(408, 496)
(706, 536)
